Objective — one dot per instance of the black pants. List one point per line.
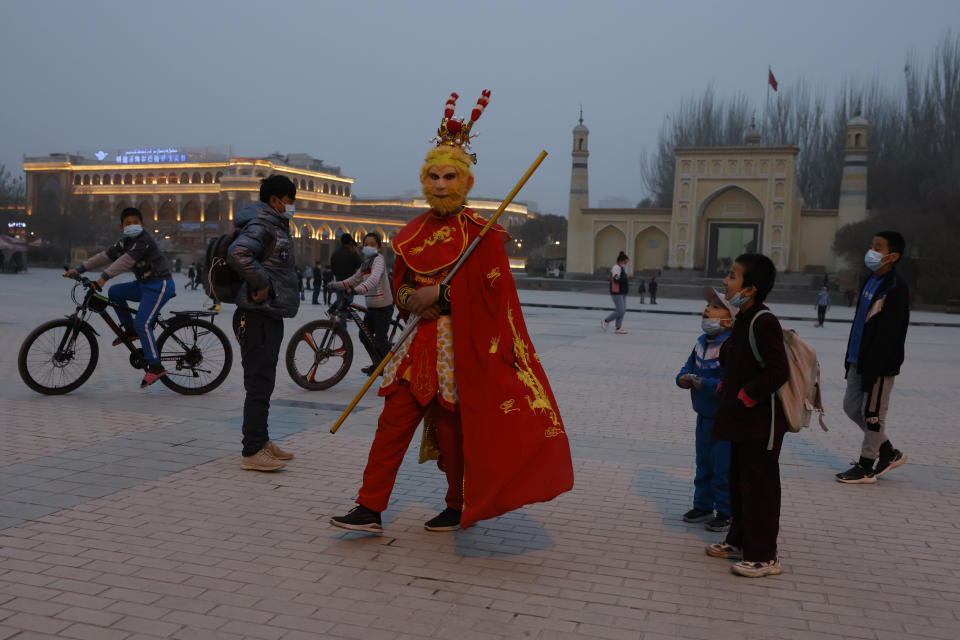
(821, 315)
(378, 320)
(755, 498)
(260, 337)
(316, 293)
(653, 296)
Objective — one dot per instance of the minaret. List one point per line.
(579, 233)
(853, 186)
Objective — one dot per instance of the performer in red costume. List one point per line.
(469, 371)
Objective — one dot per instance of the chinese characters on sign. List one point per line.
(145, 156)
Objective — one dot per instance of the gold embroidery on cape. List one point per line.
(494, 344)
(525, 374)
(441, 235)
(507, 406)
(493, 275)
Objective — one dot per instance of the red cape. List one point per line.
(515, 448)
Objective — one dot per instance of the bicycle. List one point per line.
(59, 356)
(320, 352)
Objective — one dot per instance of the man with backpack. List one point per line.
(262, 254)
(873, 358)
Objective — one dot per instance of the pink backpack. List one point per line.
(800, 394)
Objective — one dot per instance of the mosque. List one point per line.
(726, 201)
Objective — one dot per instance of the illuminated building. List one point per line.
(188, 196)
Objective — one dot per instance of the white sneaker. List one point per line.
(604, 324)
(749, 569)
(621, 331)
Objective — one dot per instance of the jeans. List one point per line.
(341, 294)
(711, 491)
(620, 304)
(260, 336)
(377, 320)
(151, 295)
(316, 293)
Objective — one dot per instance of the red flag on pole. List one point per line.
(771, 80)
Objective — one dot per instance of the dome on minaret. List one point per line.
(753, 136)
(857, 119)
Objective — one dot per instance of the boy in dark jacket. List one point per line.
(263, 256)
(153, 286)
(873, 357)
(701, 374)
(744, 418)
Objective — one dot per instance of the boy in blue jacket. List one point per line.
(701, 374)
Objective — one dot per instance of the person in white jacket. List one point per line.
(372, 281)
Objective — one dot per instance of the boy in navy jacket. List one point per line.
(701, 374)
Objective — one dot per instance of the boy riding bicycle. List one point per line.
(138, 252)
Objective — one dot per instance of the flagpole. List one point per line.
(766, 106)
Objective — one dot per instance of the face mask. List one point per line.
(370, 251)
(873, 260)
(738, 300)
(712, 326)
(288, 211)
(132, 230)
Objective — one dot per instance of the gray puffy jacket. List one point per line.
(260, 222)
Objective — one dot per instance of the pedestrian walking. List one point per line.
(654, 285)
(618, 292)
(642, 290)
(318, 283)
(875, 352)
(823, 303)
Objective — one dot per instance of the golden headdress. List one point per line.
(454, 134)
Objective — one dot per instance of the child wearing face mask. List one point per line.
(750, 417)
(153, 286)
(701, 374)
(372, 281)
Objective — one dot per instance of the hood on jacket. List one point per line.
(254, 209)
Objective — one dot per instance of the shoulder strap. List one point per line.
(753, 337)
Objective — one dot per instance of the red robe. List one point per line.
(515, 448)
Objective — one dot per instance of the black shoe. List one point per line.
(857, 475)
(719, 523)
(359, 519)
(885, 463)
(697, 515)
(368, 370)
(446, 520)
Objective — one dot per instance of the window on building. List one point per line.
(195, 179)
(138, 179)
(208, 178)
(86, 179)
(184, 178)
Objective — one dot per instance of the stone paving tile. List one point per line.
(124, 514)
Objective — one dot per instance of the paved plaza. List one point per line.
(124, 514)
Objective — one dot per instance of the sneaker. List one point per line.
(885, 464)
(277, 452)
(856, 475)
(262, 460)
(359, 519)
(129, 335)
(446, 520)
(697, 515)
(719, 523)
(604, 324)
(756, 569)
(724, 550)
(621, 331)
(154, 373)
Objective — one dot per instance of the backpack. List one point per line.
(800, 394)
(222, 282)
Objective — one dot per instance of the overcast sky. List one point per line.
(362, 84)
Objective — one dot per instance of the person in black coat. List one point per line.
(653, 290)
(875, 351)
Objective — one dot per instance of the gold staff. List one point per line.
(415, 319)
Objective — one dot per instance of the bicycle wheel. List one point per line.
(196, 355)
(319, 354)
(58, 356)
